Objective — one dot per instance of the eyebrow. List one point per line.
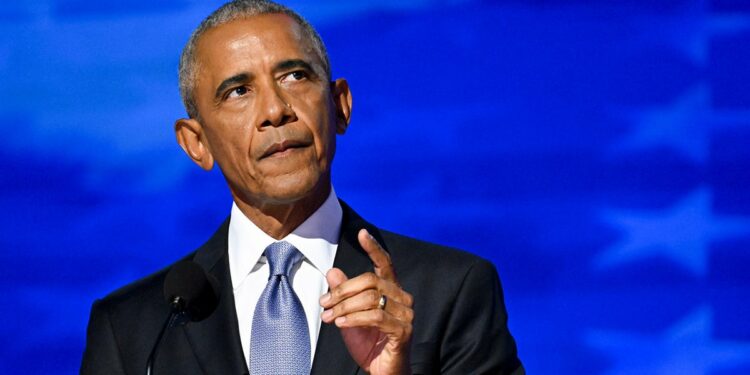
(294, 63)
(231, 81)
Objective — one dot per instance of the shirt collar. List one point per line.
(316, 238)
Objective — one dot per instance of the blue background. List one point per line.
(596, 152)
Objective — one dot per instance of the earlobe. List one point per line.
(342, 98)
(190, 136)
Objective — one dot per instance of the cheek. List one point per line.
(323, 125)
(325, 140)
(231, 144)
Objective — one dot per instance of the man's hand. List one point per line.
(378, 339)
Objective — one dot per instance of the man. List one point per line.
(306, 284)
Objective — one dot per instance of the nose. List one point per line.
(274, 109)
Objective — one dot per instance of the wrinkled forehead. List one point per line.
(253, 42)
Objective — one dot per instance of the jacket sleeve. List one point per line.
(477, 339)
(102, 354)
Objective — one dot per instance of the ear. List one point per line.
(342, 99)
(191, 138)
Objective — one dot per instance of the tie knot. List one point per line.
(282, 257)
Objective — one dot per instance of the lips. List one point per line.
(282, 146)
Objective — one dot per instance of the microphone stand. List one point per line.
(176, 312)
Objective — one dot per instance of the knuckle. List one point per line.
(370, 278)
(373, 295)
(335, 293)
(338, 309)
(409, 315)
(408, 299)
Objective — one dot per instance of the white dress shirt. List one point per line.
(316, 238)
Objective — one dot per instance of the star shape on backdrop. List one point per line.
(681, 126)
(686, 348)
(682, 233)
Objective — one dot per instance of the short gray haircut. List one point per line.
(231, 11)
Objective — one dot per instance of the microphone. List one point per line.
(192, 295)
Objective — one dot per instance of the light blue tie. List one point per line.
(280, 341)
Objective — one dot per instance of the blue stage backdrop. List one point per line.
(596, 152)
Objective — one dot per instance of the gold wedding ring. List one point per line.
(382, 302)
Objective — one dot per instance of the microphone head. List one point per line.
(191, 291)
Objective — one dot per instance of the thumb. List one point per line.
(335, 277)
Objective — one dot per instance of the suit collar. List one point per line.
(316, 238)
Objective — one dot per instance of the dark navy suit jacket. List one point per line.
(460, 321)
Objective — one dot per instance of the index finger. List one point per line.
(380, 258)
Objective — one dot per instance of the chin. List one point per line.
(287, 189)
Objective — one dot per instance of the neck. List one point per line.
(279, 219)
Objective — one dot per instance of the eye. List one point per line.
(295, 76)
(299, 75)
(237, 92)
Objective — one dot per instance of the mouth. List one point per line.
(282, 148)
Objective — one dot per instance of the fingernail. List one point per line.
(370, 235)
(327, 314)
(325, 298)
(340, 320)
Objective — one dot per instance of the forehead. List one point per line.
(251, 43)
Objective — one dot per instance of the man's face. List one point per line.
(268, 115)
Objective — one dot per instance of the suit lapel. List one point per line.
(216, 340)
(331, 355)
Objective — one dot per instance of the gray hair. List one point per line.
(232, 11)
